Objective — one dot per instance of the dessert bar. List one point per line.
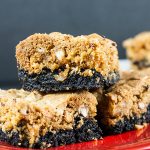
(126, 105)
(138, 50)
(61, 62)
(30, 119)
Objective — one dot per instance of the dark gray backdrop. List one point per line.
(116, 19)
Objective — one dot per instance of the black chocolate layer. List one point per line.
(45, 81)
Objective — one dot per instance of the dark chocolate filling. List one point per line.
(45, 81)
(88, 131)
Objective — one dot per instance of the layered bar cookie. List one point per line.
(138, 50)
(60, 62)
(126, 106)
(30, 119)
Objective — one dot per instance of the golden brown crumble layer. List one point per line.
(43, 113)
(129, 97)
(138, 47)
(56, 50)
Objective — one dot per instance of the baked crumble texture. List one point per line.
(138, 50)
(69, 56)
(127, 104)
(31, 119)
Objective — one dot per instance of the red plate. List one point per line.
(133, 140)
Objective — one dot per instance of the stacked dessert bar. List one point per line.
(72, 92)
(55, 106)
(60, 62)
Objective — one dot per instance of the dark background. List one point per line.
(116, 19)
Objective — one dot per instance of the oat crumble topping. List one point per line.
(56, 50)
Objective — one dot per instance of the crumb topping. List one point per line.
(138, 47)
(129, 97)
(56, 50)
(36, 114)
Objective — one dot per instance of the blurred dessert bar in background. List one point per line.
(138, 50)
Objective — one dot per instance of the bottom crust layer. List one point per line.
(88, 131)
(127, 124)
(46, 82)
